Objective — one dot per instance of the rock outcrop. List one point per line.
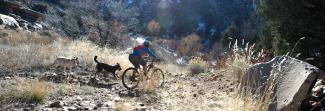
(14, 8)
(14, 15)
(8, 21)
(285, 80)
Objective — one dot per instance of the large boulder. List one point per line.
(284, 80)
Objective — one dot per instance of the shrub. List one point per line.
(189, 45)
(197, 65)
(32, 92)
(41, 7)
(238, 60)
(24, 92)
(153, 27)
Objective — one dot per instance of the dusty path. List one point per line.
(202, 92)
(194, 93)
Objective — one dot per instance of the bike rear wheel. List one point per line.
(158, 76)
(130, 78)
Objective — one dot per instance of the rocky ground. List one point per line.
(180, 92)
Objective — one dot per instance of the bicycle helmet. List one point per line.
(146, 43)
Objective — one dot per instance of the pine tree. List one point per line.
(294, 20)
(229, 34)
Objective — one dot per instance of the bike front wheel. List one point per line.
(130, 78)
(158, 77)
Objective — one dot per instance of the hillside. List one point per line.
(206, 55)
(29, 68)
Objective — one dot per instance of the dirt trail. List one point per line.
(197, 93)
(202, 92)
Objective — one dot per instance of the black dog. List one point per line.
(108, 68)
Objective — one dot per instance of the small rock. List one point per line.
(78, 98)
(318, 88)
(75, 81)
(72, 108)
(94, 106)
(141, 107)
(201, 92)
(47, 109)
(91, 107)
(93, 81)
(314, 104)
(6, 78)
(319, 82)
(57, 104)
(140, 104)
(231, 90)
(108, 104)
(99, 104)
(213, 104)
(65, 108)
(26, 109)
(88, 108)
(84, 103)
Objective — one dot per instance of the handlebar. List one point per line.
(152, 62)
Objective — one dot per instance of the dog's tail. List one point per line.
(95, 59)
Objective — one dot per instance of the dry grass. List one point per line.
(123, 106)
(237, 62)
(173, 69)
(197, 65)
(34, 92)
(151, 82)
(248, 101)
(153, 27)
(150, 85)
(24, 92)
(190, 45)
(30, 49)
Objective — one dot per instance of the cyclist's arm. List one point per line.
(152, 54)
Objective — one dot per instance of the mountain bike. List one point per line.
(132, 77)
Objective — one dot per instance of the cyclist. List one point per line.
(136, 58)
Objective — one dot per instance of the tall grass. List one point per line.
(33, 92)
(240, 58)
(151, 83)
(30, 92)
(30, 49)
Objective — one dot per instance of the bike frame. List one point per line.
(149, 67)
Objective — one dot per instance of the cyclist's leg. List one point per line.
(134, 61)
(136, 65)
(143, 63)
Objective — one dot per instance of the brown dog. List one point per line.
(67, 62)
